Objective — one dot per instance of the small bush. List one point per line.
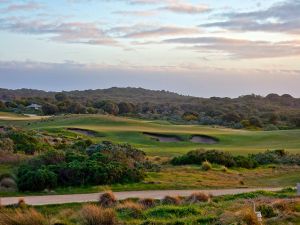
(107, 199)
(94, 215)
(171, 200)
(198, 197)
(147, 202)
(22, 217)
(206, 166)
(267, 211)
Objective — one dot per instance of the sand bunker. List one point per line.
(163, 137)
(166, 138)
(84, 132)
(203, 139)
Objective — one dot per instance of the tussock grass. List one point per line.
(171, 200)
(107, 199)
(95, 215)
(206, 166)
(22, 217)
(147, 202)
(198, 197)
(130, 209)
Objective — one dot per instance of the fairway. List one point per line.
(127, 130)
(7, 116)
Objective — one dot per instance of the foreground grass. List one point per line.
(126, 130)
(229, 209)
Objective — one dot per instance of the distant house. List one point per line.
(34, 106)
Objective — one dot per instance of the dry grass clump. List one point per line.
(198, 197)
(131, 208)
(224, 169)
(147, 202)
(171, 200)
(95, 215)
(22, 217)
(107, 199)
(249, 217)
(206, 166)
(21, 203)
(239, 214)
(65, 217)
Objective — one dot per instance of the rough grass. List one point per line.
(171, 211)
(193, 177)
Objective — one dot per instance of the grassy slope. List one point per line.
(120, 129)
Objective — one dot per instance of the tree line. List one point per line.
(249, 111)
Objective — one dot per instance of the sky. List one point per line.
(193, 47)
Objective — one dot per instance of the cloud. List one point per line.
(237, 48)
(174, 6)
(146, 31)
(139, 13)
(185, 7)
(283, 17)
(28, 6)
(67, 32)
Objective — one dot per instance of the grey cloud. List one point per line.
(237, 48)
(27, 6)
(282, 17)
(144, 32)
(174, 6)
(68, 32)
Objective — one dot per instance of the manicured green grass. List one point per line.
(10, 116)
(126, 130)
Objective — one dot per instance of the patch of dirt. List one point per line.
(204, 139)
(163, 137)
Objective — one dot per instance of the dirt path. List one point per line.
(60, 199)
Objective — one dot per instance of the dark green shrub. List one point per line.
(245, 162)
(112, 164)
(267, 211)
(36, 180)
(199, 156)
